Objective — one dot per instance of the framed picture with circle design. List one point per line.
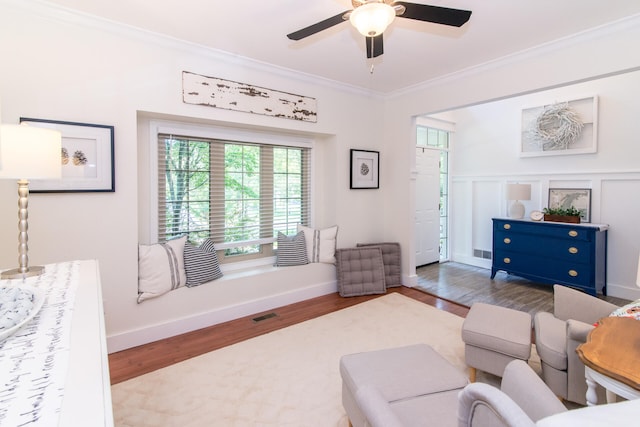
(365, 169)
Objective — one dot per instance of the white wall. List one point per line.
(594, 54)
(63, 66)
(487, 146)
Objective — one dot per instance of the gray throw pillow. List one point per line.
(292, 250)
(201, 263)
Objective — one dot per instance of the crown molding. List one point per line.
(59, 13)
(631, 22)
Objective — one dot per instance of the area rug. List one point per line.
(288, 377)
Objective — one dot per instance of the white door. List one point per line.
(427, 206)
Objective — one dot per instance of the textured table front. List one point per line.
(34, 361)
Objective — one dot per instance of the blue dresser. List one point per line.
(552, 252)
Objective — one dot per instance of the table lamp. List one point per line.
(27, 152)
(517, 192)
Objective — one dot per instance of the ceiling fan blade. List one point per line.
(374, 46)
(437, 14)
(317, 27)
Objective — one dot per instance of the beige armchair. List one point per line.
(559, 334)
(522, 401)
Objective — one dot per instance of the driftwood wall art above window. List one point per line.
(230, 95)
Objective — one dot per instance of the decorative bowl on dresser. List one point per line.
(572, 255)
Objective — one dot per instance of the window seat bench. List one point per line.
(237, 294)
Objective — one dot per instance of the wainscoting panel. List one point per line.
(614, 201)
(620, 207)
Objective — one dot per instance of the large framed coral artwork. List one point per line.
(86, 158)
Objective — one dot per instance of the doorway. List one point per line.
(432, 195)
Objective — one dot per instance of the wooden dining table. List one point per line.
(611, 356)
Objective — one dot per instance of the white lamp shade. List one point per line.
(371, 19)
(518, 191)
(28, 152)
(638, 275)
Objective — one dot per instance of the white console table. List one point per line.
(87, 398)
(55, 369)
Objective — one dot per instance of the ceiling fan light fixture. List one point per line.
(372, 18)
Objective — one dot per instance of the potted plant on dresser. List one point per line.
(560, 214)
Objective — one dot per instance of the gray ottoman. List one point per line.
(418, 383)
(494, 336)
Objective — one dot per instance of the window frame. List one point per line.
(224, 133)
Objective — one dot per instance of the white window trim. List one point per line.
(157, 127)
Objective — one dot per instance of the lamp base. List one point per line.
(516, 211)
(16, 273)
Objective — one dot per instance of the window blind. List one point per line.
(239, 194)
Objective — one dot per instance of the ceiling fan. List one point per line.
(372, 17)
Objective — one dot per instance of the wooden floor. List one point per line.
(136, 361)
(449, 281)
(467, 284)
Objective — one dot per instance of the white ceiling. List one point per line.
(413, 51)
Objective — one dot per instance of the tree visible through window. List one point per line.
(239, 194)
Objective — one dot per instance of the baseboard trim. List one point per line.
(153, 333)
(624, 292)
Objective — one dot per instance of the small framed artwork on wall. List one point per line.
(579, 198)
(365, 169)
(86, 159)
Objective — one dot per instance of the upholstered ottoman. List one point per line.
(494, 336)
(418, 383)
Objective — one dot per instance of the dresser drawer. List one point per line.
(543, 267)
(562, 231)
(578, 251)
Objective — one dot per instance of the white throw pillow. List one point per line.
(321, 244)
(160, 268)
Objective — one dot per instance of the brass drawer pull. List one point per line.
(573, 250)
(507, 240)
(573, 233)
(573, 273)
(507, 226)
(507, 260)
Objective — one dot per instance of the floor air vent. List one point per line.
(264, 317)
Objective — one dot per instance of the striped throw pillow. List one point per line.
(292, 250)
(201, 263)
(160, 268)
(321, 244)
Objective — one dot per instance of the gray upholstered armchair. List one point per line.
(559, 334)
(523, 401)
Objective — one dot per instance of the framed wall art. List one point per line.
(86, 158)
(579, 198)
(560, 128)
(365, 169)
